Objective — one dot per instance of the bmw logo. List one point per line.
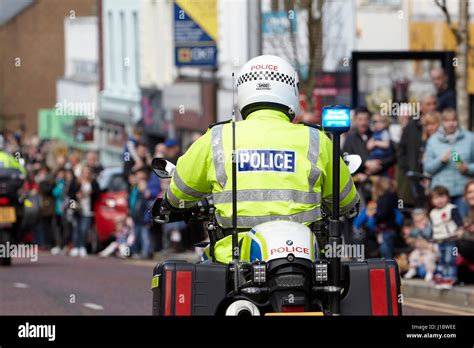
(289, 242)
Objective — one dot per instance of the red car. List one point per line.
(112, 204)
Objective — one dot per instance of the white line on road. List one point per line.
(93, 306)
(21, 285)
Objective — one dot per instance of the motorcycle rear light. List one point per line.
(292, 309)
(290, 281)
(259, 273)
(321, 272)
(4, 201)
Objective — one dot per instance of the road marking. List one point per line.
(93, 306)
(436, 307)
(21, 285)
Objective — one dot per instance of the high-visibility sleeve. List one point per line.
(190, 182)
(348, 196)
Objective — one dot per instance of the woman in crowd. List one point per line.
(449, 158)
(85, 192)
(465, 244)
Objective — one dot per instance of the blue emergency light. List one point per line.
(336, 118)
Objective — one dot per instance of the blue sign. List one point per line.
(336, 118)
(193, 45)
(266, 161)
(279, 22)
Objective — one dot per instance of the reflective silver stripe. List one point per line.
(250, 221)
(313, 153)
(185, 188)
(176, 202)
(218, 154)
(269, 196)
(351, 205)
(346, 190)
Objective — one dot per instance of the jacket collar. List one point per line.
(441, 134)
(268, 114)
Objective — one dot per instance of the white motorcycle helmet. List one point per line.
(268, 82)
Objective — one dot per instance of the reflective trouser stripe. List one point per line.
(218, 154)
(313, 154)
(185, 188)
(250, 221)
(269, 195)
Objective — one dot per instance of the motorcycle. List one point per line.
(11, 210)
(287, 270)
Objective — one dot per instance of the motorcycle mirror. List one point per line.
(164, 169)
(353, 162)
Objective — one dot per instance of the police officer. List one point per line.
(284, 169)
(7, 160)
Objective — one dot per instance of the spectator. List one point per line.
(379, 144)
(446, 222)
(446, 97)
(411, 149)
(172, 150)
(140, 162)
(431, 122)
(465, 259)
(58, 229)
(86, 193)
(364, 229)
(124, 238)
(130, 154)
(385, 216)
(450, 158)
(422, 260)
(160, 150)
(356, 143)
(92, 161)
(43, 229)
(141, 218)
(70, 207)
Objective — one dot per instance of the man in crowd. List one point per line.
(445, 96)
(411, 148)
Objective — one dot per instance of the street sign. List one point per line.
(195, 33)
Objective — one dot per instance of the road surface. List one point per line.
(62, 285)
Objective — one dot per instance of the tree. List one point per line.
(306, 53)
(461, 35)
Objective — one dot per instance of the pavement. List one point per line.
(420, 294)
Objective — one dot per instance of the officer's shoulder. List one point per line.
(315, 125)
(218, 123)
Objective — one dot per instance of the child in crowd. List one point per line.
(446, 222)
(424, 254)
(124, 238)
(386, 217)
(141, 217)
(379, 144)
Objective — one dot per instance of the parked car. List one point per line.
(111, 206)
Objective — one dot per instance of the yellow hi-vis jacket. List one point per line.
(284, 171)
(8, 161)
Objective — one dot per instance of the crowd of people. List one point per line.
(63, 185)
(416, 187)
(417, 190)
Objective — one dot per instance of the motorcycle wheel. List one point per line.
(4, 238)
